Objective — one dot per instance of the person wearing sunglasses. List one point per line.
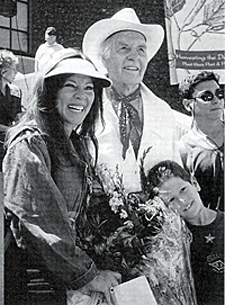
(202, 148)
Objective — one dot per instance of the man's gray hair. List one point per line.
(106, 47)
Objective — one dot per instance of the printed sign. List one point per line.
(195, 37)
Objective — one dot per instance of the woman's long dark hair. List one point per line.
(42, 109)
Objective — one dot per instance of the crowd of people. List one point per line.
(89, 108)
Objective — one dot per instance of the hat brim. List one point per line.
(79, 66)
(102, 29)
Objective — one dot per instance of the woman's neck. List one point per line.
(68, 130)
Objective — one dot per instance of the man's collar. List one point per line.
(49, 45)
(113, 94)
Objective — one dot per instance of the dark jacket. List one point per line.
(43, 201)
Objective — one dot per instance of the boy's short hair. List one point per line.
(163, 171)
(51, 31)
(186, 87)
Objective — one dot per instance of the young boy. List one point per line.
(180, 192)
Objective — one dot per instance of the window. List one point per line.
(14, 30)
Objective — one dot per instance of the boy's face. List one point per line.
(181, 196)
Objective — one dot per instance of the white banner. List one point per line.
(195, 37)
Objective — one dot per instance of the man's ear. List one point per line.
(188, 104)
(104, 61)
(194, 182)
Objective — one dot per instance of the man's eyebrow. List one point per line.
(122, 42)
(143, 46)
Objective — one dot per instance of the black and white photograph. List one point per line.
(112, 152)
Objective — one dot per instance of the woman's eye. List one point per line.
(89, 88)
(69, 85)
(171, 200)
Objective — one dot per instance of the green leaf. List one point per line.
(214, 14)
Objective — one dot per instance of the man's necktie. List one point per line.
(130, 126)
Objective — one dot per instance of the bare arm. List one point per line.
(3, 128)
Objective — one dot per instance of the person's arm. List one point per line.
(43, 223)
(3, 128)
(36, 68)
(36, 59)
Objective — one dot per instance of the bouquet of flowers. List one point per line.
(115, 225)
(135, 235)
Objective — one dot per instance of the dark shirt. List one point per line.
(10, 105)
(207, 259)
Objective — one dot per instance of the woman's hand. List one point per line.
(102, 283)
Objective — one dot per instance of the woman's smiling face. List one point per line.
(74, 100)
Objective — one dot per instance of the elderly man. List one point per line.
(135, 119)
(202, 148)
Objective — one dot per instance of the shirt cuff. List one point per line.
(85, 279)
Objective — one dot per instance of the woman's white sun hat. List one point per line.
(125, 19)
(70, 61)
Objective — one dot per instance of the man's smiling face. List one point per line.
(128, 58)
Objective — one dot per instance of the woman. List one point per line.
(10, 95)
(48, 173)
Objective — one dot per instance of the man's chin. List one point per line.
(132, 80)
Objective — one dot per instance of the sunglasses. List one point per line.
(208, 96)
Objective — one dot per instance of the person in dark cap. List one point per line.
(46, 50)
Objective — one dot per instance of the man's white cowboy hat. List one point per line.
(125, 19)
(70, 61)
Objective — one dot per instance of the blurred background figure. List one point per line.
(46, 50)
(10, 95)
(202, 148)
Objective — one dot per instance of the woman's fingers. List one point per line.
(117, 276)
(102, 283)
(108, 297)
(114, 279)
